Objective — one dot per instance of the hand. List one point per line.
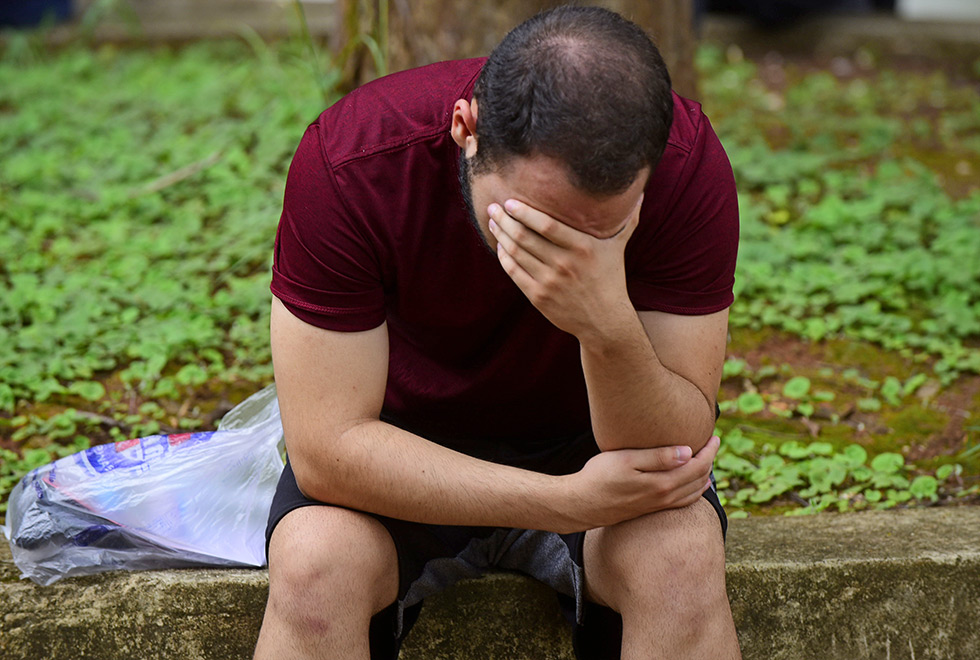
(623, 484)
(576, 280)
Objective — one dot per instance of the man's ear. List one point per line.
(463, 128)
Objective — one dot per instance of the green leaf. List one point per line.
(750, 403)
(797, 387)
(191, 374)
(793, 449)
(855, 454)
(891, 390)
(913, 384)
(869, 404)
(805, 409)
(7, 398)
(820, 449)
(88, 390)
(729, 464)
(737, 443)
(944, 472)
(899, 495)
(924, 488)
(888, 463)
(733, 367)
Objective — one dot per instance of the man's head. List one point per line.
(581, 88)
(581, 85)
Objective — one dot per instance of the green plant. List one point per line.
(806, 478)
(366, 23)
(845, 230)
(13, 467)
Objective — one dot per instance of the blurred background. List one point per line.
(143, 152)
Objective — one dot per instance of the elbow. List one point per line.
(309, 480)
(694, 432)
(314, 476)
(702, 430)
(325, 469)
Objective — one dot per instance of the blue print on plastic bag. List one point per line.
(135, 455)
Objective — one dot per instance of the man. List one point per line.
(545, 405)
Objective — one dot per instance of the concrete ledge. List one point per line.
(896, 585)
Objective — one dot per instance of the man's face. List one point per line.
(542, 182)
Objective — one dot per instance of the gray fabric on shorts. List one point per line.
(543, 556)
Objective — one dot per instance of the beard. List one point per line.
(466, 188)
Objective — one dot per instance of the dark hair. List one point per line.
(582, 85)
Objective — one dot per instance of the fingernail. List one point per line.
(683, 453)
(493, 226)
(510, 205)
(493, 208)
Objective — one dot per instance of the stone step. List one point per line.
(901, 585)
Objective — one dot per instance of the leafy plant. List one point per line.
(843, 232)
(812, 477)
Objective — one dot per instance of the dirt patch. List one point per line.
(958, 403)
(933, 422)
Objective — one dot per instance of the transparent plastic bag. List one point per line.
(163, 501)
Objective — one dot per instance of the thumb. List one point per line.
(657, 459)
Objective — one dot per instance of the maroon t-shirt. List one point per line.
(374, 229)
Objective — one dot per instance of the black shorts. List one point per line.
(432, 557)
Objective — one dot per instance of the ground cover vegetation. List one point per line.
(140, 190)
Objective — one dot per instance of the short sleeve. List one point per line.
(681, 259)
(324, 269)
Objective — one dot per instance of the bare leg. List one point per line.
(665, 574)
(330, 571)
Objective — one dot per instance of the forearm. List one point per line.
(373, 466)
(634, 400)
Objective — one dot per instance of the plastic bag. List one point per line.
(163, 501)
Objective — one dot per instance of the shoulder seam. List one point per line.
(330, 172)
(386, 147)
(697, 132)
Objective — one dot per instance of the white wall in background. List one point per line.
(939, 10)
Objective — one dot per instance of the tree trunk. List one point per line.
(425, 31)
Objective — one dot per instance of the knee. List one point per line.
(326, 563)
(674, 556)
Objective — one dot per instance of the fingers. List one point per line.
(700, 465)
(710, 450)
(658, 459)
(694, 477)
(526, 248)
(546, 227)
(667, 458)
(686, 482)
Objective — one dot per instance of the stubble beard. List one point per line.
(466, 188)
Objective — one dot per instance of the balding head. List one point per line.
(581, 85)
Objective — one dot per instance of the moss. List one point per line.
(744, 340)
(871, 360)
(914, 421)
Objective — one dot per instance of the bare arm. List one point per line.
(331, 388)
(653, 379)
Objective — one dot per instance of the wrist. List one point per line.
(614, 330)
(566, 506)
